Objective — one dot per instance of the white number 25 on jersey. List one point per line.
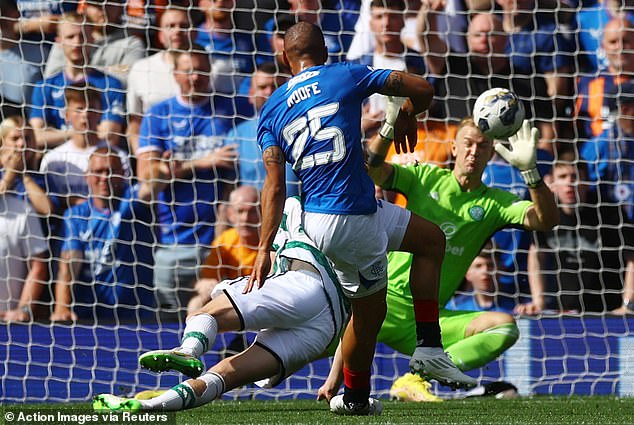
(296, 135)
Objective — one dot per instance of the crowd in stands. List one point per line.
(130, 170)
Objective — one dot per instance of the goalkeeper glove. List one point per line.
(394, 104)
(523, 155)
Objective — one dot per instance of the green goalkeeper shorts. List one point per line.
(399, 328)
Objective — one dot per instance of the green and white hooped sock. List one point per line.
(200, 333)
(183, 396)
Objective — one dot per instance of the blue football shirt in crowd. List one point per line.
(48, 102)
(610, 159)
(251, 170)
(117, 251)
(315, 118)
(186, 208)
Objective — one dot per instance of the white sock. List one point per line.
(215, 388)
(171, 400)
(200, 333)
(183, 396)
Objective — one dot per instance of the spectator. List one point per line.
(251, 167)
(593, 99)
(23, 248)
(591, 21)
(583, 261)
(151, 80)
(66, 165)
(233, 251)
(37, 27)
(478, 292)
(106, 272)
(311, 11)
(188, 126)
(19, 174)
(364, 42)
(17, 76)
(465, 77)
(542, 53)
(48, 96)
(386, 23)
(232, 51)
(112, 49)
(274, 48)
(610, 156)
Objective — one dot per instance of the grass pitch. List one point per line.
(524, 411)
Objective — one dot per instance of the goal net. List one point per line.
(97, 268)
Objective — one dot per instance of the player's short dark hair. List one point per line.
(389, 4)
(304, 40)
(83, 94)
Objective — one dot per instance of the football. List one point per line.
(498, 113)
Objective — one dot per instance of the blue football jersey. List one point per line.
(186, 209)
(117, 250)
(48, 102)
(315, 118)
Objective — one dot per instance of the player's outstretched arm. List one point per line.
(417, 94)
(412, 86)
(272, 201)
(543, 215)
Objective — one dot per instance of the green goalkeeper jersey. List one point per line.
(468, 220)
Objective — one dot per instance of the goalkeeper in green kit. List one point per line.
(469, 213)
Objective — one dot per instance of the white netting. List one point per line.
(133, 262)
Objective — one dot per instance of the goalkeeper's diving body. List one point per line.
(469, 213)
(298, 315)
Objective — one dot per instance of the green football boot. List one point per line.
(162, 360)
(109, 402)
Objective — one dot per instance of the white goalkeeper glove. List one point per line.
(523, 155)
(394, 104)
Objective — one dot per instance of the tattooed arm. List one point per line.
(272, 207)
(418, 95)
(416, 88)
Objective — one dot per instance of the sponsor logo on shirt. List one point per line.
(57, 94)
(86, 235)
(449, 229)
(301, 78)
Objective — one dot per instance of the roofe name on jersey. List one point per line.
(302, 93)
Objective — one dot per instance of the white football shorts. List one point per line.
(292, 315)
(358, 245)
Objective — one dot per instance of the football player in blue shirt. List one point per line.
(189, 126)
(106, 272)
(314, 122)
